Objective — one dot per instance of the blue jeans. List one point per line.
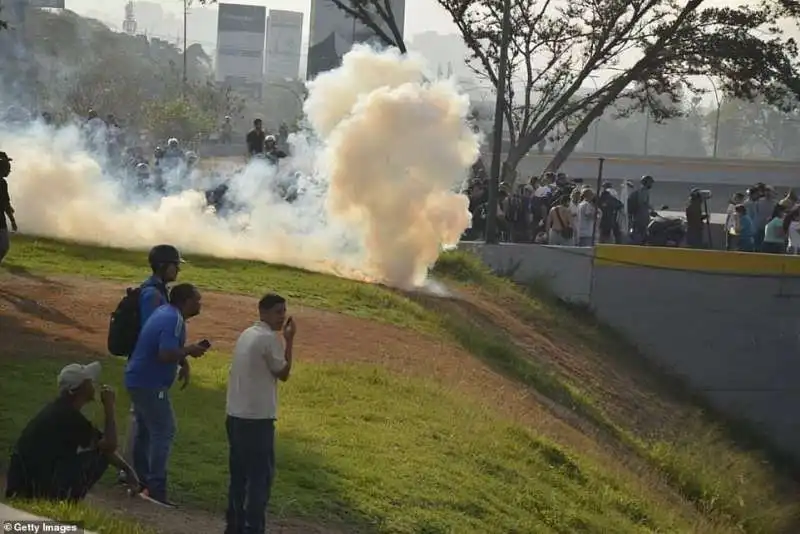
(155, 431)
(251, 462)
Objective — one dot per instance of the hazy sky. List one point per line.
(421, 15)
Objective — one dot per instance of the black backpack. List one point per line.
(125, 323)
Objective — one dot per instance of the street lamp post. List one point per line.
(186, 4)
(716, 120)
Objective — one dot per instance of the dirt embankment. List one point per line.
(68, 317)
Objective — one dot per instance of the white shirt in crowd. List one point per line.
(794, 237)
(252, 386)
(587, 216)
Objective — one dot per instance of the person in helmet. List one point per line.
(640, 209)
(174, 159)
(695, 219)
(191, 159)
(165, 261)
(173, 149)
(142, 175)
(95, 131)
(158, 168)
(271, 150)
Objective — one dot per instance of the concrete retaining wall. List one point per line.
(564, 270)
(724, 321)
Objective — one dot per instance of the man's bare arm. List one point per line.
(108, 443)
(283, 374)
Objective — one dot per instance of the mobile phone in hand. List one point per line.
(206, 344)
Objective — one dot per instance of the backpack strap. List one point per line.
(560, 220)
(160, 286)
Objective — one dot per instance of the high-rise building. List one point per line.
(333, 33)
(129, 22)
(240, 46)
(284, 45)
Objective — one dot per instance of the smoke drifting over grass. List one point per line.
(376, 182)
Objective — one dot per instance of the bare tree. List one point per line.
(378, 16)
(644, 49)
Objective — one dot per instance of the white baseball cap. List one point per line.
(73, 375)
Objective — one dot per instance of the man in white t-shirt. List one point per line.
(259, 360)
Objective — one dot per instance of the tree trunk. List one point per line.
(515, 155)
(583, 127)
(569, 146)
(616, 88)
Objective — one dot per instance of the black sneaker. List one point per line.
(145, 494)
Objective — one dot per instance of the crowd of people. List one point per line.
(60, 454)
(553, 209)
(758, 221)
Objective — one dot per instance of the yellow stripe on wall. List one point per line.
(715, 261)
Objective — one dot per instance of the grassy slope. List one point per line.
(367, 448)
(87, 517)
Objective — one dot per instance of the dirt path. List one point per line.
(67, 317)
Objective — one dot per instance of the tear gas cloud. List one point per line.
(375, 182)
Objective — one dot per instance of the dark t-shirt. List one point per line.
(5, 202)
(57, 434)
(610, 206)
(255, 142)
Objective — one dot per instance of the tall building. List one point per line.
(333, 34)
(129, 23)
(240, 46)
(284, 45)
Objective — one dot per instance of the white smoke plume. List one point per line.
(376, 182)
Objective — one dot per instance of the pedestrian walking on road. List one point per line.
(259, 360)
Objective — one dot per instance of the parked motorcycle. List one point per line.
(665, 231)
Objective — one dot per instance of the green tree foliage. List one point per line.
(80, 64)
(756, 128)
(181, 118)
